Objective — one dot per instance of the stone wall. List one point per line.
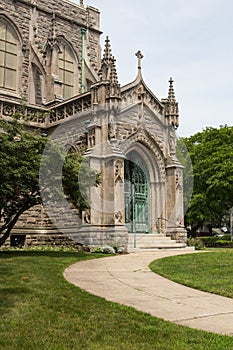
(37, 21)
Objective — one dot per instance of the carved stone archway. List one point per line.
(152, 165)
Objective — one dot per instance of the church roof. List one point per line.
(139, 84)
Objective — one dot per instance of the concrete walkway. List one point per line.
(127, 280)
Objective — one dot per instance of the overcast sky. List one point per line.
(188, 40)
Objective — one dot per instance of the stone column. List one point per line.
(175, 206)
(106, 223)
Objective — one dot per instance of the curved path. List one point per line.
(127, 280)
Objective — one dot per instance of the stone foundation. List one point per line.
(178, 234)
(97, 236)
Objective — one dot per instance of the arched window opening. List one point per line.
(66, 71)
(8, 57)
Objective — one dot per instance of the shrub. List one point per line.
(209, 241)
(195, 242)
(104, 250)
(226, 237)
(214, 242)
(224, 243)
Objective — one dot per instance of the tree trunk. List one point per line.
(192, 232)
(10, 226)
(210, 227)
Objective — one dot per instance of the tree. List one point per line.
(211, 152)
(77, 180)
(21, 152)
(185, 159)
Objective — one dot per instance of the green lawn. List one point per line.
(208, 271)
(40, 310)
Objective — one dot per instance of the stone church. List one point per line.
(51, 59)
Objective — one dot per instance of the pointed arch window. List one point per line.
(66, 70)
(8, 57)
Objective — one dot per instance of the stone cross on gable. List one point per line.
(139, 55)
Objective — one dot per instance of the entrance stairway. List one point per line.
(150, 241)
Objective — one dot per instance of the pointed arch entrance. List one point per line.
(136, 194)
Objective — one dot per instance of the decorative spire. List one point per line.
(107, 51)
(106, 62)
(113, 72)
(81, 3)
(108, 73)
(114, 87)
(171, 93)
(171, 107)
(139, 55)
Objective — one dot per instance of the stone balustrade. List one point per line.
(44, 117)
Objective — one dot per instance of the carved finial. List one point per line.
(106, 61)
(171, 94)
(81, 3)
(113, 73)
(114, 87)
(107, 50)
(139, 55)
(171, 107)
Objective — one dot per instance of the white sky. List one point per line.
(191, 41)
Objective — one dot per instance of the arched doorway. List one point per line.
(136, 194)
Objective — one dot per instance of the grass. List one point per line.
(39, 309)
(209, 271)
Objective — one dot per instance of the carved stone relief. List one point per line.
(118, 172)
(118, 218)
(179, 180)
(112, 125)
(86, 216)
(144, 139)
(172, 141)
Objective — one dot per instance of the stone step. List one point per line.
(152, 241)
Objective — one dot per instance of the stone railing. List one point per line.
(44, 117)
(69, 108)
(30, 114)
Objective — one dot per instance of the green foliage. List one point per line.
(23, 165)
(211, 242)
(226, 237)
(185, 160)
(211, 152)
(224, 243)
(20, 154)
(77, 179)
(196, 243)
(104, 250)
(208, 241)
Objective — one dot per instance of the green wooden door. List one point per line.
(136, 198)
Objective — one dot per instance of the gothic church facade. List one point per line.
(51, 59)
